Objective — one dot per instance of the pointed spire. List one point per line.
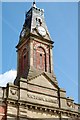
(34, 4)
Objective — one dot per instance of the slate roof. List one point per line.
(30, 23)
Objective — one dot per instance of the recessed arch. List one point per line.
(24, 61)
(40, 58)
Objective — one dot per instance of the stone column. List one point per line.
(51, 58)
(31, 52)
(47, 62)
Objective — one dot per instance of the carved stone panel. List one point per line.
(13, 93)
(42, 99)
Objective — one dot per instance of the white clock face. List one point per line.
(41, 31)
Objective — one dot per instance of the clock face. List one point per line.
(41, 31)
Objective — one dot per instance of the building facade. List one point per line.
(35, 92)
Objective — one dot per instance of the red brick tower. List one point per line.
(35, 46)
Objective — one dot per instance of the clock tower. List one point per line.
(34, 49)
(35, 92)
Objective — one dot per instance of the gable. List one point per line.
(43, 81)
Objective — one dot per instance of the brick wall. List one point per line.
(2, 112)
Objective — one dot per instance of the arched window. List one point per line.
(40, 59)
(24, 60)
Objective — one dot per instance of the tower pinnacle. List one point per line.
(34, 3)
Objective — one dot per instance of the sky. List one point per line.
(62, 22)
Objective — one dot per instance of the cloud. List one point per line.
(8, 76)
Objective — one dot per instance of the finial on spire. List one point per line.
(34, 3)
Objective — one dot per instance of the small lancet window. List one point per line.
(24, 61)
(38, 21)
(40, 54)
(40, 60)
(24, 56)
